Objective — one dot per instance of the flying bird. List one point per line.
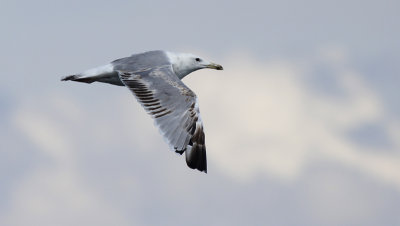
(154, 78)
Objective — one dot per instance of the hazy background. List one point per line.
(302, 126)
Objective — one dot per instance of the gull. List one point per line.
(154, 78)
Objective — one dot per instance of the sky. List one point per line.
(302, 125)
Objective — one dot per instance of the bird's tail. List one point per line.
(78, 78)
(104, 74)
(91, 75)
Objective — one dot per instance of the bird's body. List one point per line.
(154, 78)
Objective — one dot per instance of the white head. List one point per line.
(185, 63)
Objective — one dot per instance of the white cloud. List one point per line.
(51, 196)
(54, 193)
(262, 117)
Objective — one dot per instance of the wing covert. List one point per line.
(174, 108)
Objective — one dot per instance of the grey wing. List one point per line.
(174, 108)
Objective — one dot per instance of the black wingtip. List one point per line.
(196, 157)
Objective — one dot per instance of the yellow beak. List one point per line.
(215, 66)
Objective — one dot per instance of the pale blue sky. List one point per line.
(305, 132)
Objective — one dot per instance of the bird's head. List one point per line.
(184, 63)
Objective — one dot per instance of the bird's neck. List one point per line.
(181, 71)
(179, 64)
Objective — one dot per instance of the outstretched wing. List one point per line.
(174, 108)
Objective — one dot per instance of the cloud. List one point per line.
(266, 117)
(53, 191)
(274, 137)
(51, 196)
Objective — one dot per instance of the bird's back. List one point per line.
(141, 61)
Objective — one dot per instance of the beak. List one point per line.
(215, 66)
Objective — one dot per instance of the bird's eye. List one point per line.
(198, 59)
